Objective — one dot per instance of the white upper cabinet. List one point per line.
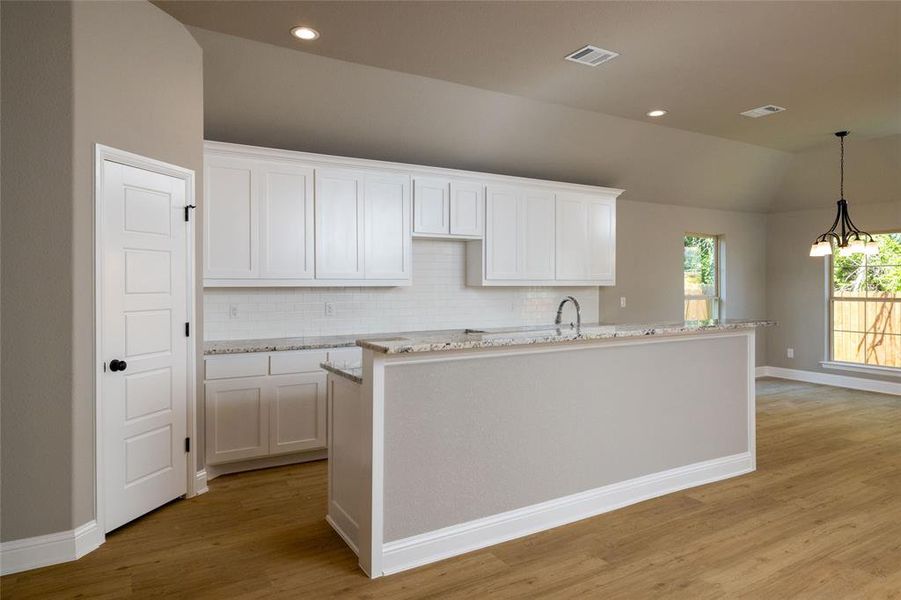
(231, 213)
(339, 224)
(431, 206)
(502, 234)
(282, 218)
(537, 235)
(586, 240)
(447, 208)
(519, 234)
(602, 240)
(286, 222)
(467, 209)
(386, 215)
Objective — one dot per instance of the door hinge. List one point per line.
(187, 444)
(187, 330)
(187, 211)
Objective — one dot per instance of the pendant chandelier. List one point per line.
(846, 235)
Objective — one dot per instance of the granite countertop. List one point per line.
(518, 336)
(214, 347)
(348, 370)
(278, 344)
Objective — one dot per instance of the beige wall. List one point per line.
(269, 96)
(129, 76)
(649, 263)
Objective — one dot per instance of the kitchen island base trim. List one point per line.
(433, 546)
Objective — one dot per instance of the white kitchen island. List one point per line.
(446, 442)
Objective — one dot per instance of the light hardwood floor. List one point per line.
(821, 518)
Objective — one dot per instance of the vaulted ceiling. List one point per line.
(833, 65)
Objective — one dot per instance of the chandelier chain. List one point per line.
(842, 169)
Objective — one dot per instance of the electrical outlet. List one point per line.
(232, 311)
(329, 309)
(622, 302)
(790, 352)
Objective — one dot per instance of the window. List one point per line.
(866, 305)
(701, 277)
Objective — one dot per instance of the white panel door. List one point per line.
(537, 235)
(572, 237)
(502, 225)
(388, 245)
(431, 207)
(231, 230)
(297, 417)
(602, 240)
(237, 419)
(286, 221)
(143, 308)
(467, 208)
(339, 224)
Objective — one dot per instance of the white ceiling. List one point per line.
(834, 65)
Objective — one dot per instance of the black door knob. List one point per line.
(117, 365)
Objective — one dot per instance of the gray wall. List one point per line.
(872, 173)
(462, 443)
(123, 74)
(649, 263)
(796, 282)
(36, 279)
(270, 96)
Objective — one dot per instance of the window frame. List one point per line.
(829, 360)
(717, 297)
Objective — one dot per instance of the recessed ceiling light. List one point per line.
(656, 113)
(305, 33)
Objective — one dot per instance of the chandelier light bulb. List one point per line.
(871, 248)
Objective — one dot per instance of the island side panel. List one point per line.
(473, 434)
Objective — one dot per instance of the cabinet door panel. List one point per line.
(339, 225)
(572, 237)
(237, 419)
(537, 235)
(467, 208)
(387, 216)
(430, 206)
(230, 219)
(502, 234)
(602, 240)
(286, 220)
(297, 414)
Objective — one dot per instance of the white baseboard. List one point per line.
(437, 545)
(200, 483)
(843, 381)
(50, 549)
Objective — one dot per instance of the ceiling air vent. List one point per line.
(763, 111)
(592, 56)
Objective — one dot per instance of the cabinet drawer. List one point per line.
(302, 361)
(346, 355)
(242, 365)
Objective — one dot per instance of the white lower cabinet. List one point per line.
(297, 413)
(237, 419)
(267, 404)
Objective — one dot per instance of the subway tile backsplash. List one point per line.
(438, 299)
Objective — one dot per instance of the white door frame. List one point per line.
(103, 153)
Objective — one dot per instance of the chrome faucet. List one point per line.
(575, 302)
